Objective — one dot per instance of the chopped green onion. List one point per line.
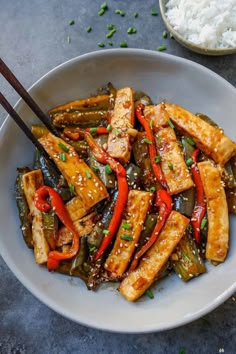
(149, 293)
(106, 232)
(119, 12)
(101, 12)
(180, 143)
(110, 27)
(62, 156)
(72, 188)
(88, 29)
(88, 174)
(126, 238)
(170, 165)
(123, 45)
(203, 223)
(151, 123)
(117, 133)
(204, 318)
(186, 257)
(125, 226)
(190, 141)
(63, 147)
(171, 36)
(189, 162)
(68, 39)
(72, 22)
(189, 228)
(177, 133)
(110, 34)
(95, 169)
(161, 48)
(108, 169)
(131, 30)
(171, 124)
(101, 44)
(164, 34)
(92, 248)
(147, 141)
(157, 159)
(135, 14)
(152, 189)
(182, 350)
(93, 130)
(104, 6)
(154, 12)
(110, 43)
(109, 127)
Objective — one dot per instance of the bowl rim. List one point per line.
(190, 45)
(27, 283)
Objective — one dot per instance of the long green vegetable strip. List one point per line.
(187, 262)
(23, 208)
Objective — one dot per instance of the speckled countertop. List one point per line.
(34, 39)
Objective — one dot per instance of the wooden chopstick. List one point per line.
(10, 110)
(10, 77)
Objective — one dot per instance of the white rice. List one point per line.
(210, 23)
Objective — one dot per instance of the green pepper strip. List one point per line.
(200, 206)
(104, 158)
(99, 130)
(164, 202)
(40, 201)
(151, 147)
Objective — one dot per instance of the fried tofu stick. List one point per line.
(217, 212)
(211, 140)
(139, 280)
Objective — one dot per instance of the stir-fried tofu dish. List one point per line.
(128, 191)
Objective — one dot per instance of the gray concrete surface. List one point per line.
(33, 39)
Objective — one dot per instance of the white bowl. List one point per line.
(188, 44)
(162, 77)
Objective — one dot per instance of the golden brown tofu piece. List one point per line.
(211, 140)
(172, 161)
(88, 186)
(217, 212)
(139, 280)
(157, 116)
(83, 227)
(138, 205)
(31, 182)
(76, 208)
(122, 120)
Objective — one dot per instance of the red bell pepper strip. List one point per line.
(164, 202)
(97, 130)
(200, 206)
(104, 158)
(72, 133)
(151, 147)
(41, 203)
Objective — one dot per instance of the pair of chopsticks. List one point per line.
(10, 77)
